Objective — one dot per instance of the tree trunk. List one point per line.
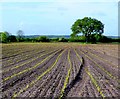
(87, 38)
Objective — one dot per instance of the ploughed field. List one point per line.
(58, 70)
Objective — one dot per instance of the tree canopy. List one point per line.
(87, 26)
(12, 38)
(4, 37)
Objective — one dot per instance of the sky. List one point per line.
(55, 17)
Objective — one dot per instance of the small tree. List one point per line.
(63, 39)
(4, 37)
(42, 39)
(20, 35)
(87, 26)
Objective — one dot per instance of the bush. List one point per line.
(42, 39)
(54, 39)
(99, 38)
(12, 38)
(116, 40)
(63, 40)
(77, 39)
(28, 39)
(105, 39)
(20, 39)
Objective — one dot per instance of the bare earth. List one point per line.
(59, 70)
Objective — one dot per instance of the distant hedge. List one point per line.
(6, 38)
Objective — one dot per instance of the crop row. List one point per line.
(104, 57)
(17, 57)
(101, 73)
(102, 67)
(73, 71)
(25, 75)
(26, 62)
(20, 58)
(113, 52)
(37, 78)
(105, 87)
(23, 57)
(22, 48)
(88, 85)
(23, 70)
(19, 75)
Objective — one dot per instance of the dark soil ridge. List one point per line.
(14, 55)
(74, 81)
(22, 77)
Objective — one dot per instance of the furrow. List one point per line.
(37, 78)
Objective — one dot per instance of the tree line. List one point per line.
(91, 31)
(94, 38)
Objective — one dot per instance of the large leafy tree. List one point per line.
(87, 26)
